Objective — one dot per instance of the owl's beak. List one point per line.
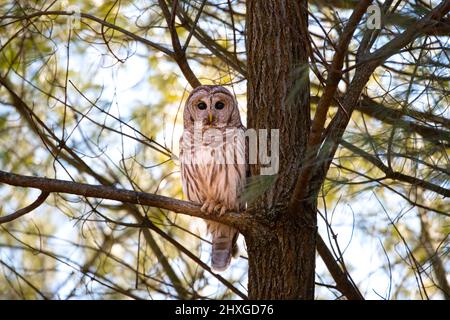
(210, 117)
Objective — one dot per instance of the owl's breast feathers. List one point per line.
(213, 165)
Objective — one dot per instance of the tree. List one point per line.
(362, 115)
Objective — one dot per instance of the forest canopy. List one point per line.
(93, 91)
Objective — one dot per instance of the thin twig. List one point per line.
(19, 213)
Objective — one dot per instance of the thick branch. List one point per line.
(34, 123)
(241, 222)
(335, 74)
(334, 77)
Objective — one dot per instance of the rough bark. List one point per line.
(282, 259)
(282, 248)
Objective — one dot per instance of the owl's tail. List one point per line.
(223, 245)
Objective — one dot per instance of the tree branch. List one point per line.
(96, 19)
(428, 22)
(381, 112)
(240, 221)
(392, 116)
(333, 79)
(215, 48)
(19, 213)
(179, 53)
(368, 64)
(343, 283)
(394, 175)
(188, 39)
(34, 123)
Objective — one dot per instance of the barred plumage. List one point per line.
(212, 156)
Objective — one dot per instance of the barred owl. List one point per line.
(212, 158)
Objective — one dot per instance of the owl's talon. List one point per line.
(222, 211)
(211, 207)
(217, 207)
(208, 207)
(204, 207)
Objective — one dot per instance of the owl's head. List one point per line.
(213, 106)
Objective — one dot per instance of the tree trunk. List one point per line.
(282, 260)
(282, 249)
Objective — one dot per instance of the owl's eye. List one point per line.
(202, 106)
(219, 105)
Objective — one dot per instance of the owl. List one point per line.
(212, 160)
